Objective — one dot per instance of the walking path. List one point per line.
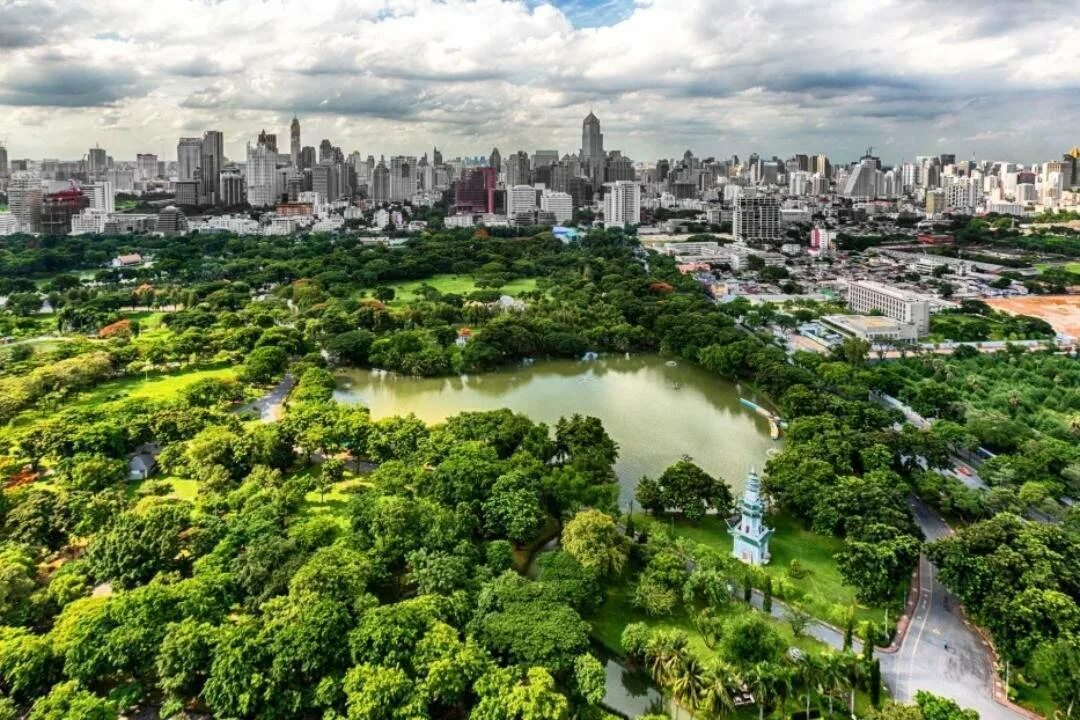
(270, 406)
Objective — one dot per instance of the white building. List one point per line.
(559, 204)
(865, 296)
(25, 199)
(520, 199)
(188, 158)
(622, 203)
(89, 222)
(101, 196)
(261, 176)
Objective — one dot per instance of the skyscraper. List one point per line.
(495, 160)
(269, 140)
(475, 193)
(756, 219)
(380, 183)
(326, 151)
(307, 157)
(188, 158)
(147, 167)
(212, 162)
(260, 174)
(592, 150)
(3, 161)
(294, 142)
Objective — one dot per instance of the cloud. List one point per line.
(769, 76)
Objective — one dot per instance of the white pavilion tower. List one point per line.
(751, 537)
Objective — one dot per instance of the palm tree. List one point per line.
(853, 669)
(721, 683)
(763, 678)
(687, 682)
(808, 673)
(833, 674)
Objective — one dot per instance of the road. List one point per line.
(941, 652)
(269, 406)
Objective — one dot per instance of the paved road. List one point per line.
(962, 671)
(269, 406)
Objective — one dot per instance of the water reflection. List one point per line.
(655, 412)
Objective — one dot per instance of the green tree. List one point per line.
(68, 701)
(593, 539)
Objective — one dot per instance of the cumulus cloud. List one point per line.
(387, 76)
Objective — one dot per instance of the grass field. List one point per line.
(821, 590)
(1073, 267)
(455, 284)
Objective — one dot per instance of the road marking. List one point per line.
(928, 593)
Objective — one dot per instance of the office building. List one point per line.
(261, 174)
(187, 193)
(325, 182)
(756, 219)
(102, 197)
(865, 296)
(89, 222)
(294, 142)
(544, 158)
(211, 163)
(935, 202)
(559, 204)
(517, 169)
(592, 150)
(495, 161)
(622, 203)
(57, 209)
(474, 194)
(3, 161)
(122, 180)
(24, 200)
(380, 183)
(233, 189)
(188, 159)
(146, 166)
(307, 157)
(97, 162)
(402, 178)
(520, 199)
(865, 181)
(269, 140)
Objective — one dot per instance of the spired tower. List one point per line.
(751, 537)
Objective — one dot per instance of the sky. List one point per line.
(997, 80)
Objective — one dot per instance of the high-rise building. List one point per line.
(495, 161)
(102, 197)
(307, 157)
(520, 199)
(756, 219)
(518, 169)
(935, 202)
(3, 161)
(475, 193)
(560, 204)
(864, 182)
(325, 180)
(261, 174)
(57, 209)
(269, 140)
(543, 158)
(188, 158)
(380, 182)
(622, 203)
(233, 190)
(618, 167)
(436, 157)
(592, 150)
(402, 178)
(146, 166)
(97, 162)
(211, 163)
(294, 142)
(24, 200)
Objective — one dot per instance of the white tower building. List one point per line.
(751, 537)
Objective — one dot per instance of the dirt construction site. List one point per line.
(1061, 311)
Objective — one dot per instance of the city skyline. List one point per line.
(772, 78)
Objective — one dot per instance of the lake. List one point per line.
(657, 410)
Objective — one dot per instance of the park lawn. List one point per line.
(822, 591)
(154, 387)
(405, 292)
(1073, 267)
(334, 501)
(182, 488)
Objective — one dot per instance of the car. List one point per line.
(964, 470)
